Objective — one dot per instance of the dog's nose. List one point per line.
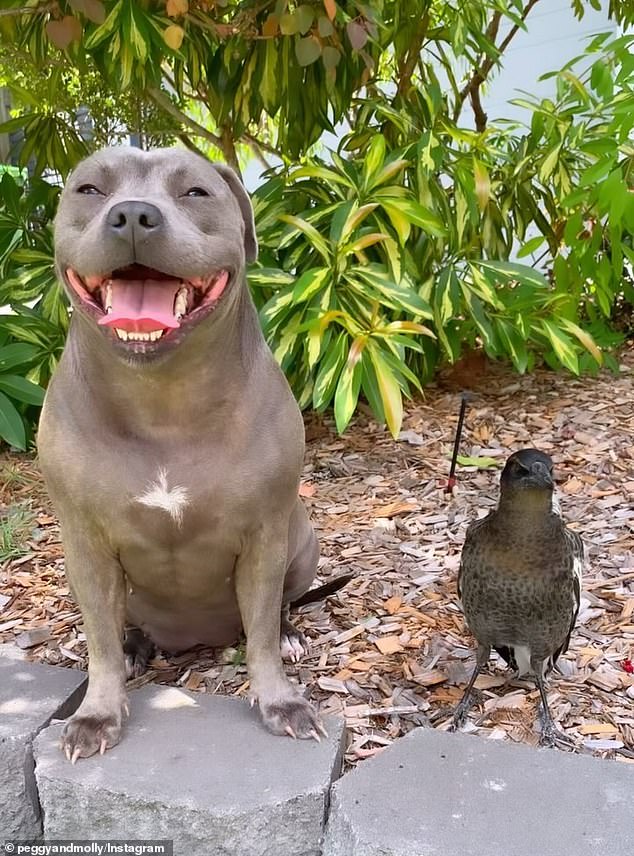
(133, 220)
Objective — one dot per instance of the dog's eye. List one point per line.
(89, 190)
(196, 191)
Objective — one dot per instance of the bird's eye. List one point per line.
(89, 190)
(196, 191)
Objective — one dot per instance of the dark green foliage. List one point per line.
(382, 260)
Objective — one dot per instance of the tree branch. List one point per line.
(228, 148)
(472, 89)
(28, 10)
(256, 148)
(406, 68)
(168, 105)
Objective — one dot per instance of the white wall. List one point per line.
(553, 36)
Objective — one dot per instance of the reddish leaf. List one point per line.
(331, 8)
(357, 34)
(95, 11)
(270, 26)
(63, 32)
(330, 57)
(175, 8)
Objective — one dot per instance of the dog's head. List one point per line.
(149, 244)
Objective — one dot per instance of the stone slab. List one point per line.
(30, 696)
(197, 769)
(438, 794)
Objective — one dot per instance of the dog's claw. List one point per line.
(67, 752)
(76, 755)
(314, 735)
(290, 732)
(103, 746)
(322, 730)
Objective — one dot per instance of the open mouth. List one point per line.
(144, 305)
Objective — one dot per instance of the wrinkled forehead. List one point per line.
(130, 168)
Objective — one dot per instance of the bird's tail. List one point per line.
(321, 592)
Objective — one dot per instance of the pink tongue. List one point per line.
(142, 306)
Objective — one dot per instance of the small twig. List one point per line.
(28, 10)
(407, 67)
(166, 104)
(472, 89)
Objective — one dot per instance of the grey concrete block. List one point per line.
(30, 695)
(459, 795)
(198, 769)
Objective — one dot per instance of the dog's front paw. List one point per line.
(293, 716)
(86, 734)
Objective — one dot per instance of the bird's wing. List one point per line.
(576, 547)
(470, 537)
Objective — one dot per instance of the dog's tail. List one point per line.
(321, 592)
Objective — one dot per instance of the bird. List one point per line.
(520, 581)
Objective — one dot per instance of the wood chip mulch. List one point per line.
(390, 652)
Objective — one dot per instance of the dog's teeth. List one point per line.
(180, 305)
(155, 334)
(122, 334)
(108, 299)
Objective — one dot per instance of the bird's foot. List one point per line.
(459, 719)
(552, 737)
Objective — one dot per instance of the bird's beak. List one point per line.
(540, 476)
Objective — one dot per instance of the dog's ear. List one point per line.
(237, 188)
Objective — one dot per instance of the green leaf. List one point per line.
(422, 217)
(307, 229)
(309, 283)
(374, 158)
(482, 463)
(304, 15)
(388, 171)
(348, 386)
(512, 270)
(513, 343)
(307, 50)
(389, 391)
(584, 337)
(11, 424)
(356, 216)
(397, 296)
(280, 301)
(21, 389)
(17, 354)
(482, 184)
(399, 221)
(562, 345)
(549, 163)
(330, 57)
(530, 246)
(329, 370)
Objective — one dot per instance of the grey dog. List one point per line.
(170, 441)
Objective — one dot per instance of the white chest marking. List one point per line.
(158, 495)
(555, 507)
(523, 659)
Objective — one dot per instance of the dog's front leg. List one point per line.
(260, 574)
(98, 585)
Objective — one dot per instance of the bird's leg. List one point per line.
(551, 735)
(464, 705)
